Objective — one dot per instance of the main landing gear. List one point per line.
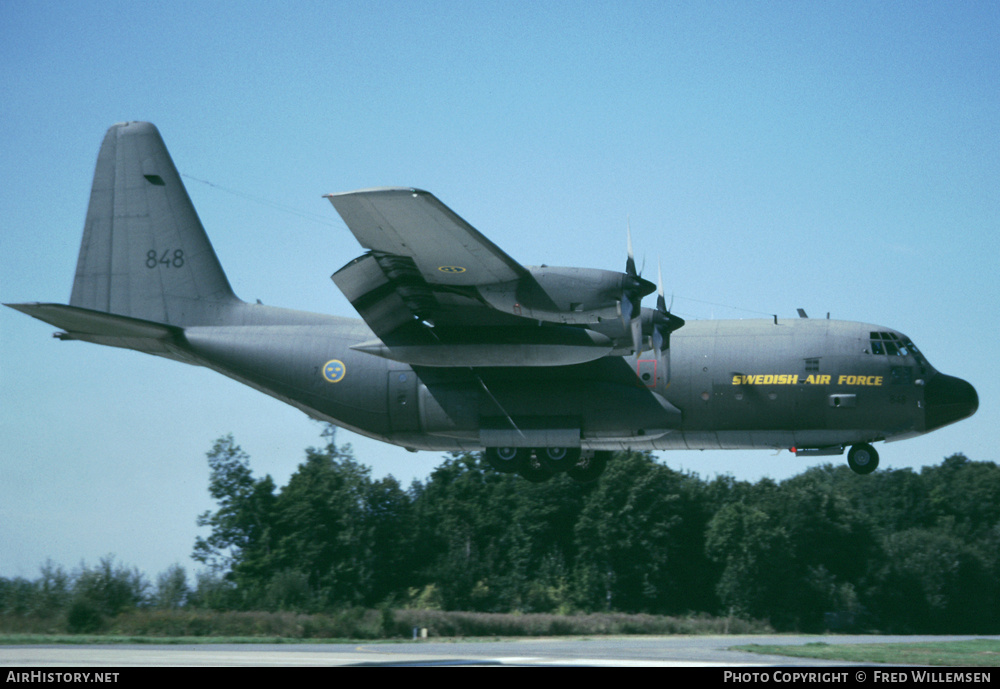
(862, 458)
(540, 464)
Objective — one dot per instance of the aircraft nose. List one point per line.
(948, 399)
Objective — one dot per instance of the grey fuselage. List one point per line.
(805, 383)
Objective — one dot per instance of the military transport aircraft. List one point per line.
(463, 348)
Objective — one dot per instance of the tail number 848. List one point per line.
(169, 259)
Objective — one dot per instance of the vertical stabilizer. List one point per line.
(144, 252)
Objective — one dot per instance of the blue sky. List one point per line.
(840, 157)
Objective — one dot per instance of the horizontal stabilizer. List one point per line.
(105, 328)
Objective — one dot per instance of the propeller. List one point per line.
(634, 288)
(664, 322)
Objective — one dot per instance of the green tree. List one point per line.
(17, 596)
(390, 518)
(54, 588)
(101, 592)
(321, 529)
(834, 545)
(964, 496)
(462, 512)
(640, 539)
(756, 556)
(246, 509)
(213, 592)
(931, 582)
(494, 542)
(171, 588)
(894, 499)
(45, 597)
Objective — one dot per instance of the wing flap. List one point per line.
(373, 295)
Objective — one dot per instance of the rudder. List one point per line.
(145, 253)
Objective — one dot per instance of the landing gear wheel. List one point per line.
(863, 459)
(558, 459)
(534, 469)
(507, 460)
(589, 466)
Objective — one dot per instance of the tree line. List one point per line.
(899, 550)
(895, 551)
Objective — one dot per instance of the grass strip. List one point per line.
(972, 653)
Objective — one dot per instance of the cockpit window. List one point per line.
(890, 344)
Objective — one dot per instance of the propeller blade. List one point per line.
(627, 308)
(634, 288)
(630, 262)
(664, 322)
(658, 341)
(661, 303)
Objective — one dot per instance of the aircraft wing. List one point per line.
(436, 292)
(413, 223)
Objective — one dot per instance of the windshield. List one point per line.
(891, 344)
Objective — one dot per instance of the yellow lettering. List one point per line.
(856, 380)
(776, 379)
(824, 380)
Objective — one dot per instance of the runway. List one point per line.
(665, 651)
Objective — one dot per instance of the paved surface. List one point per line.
(666, 651)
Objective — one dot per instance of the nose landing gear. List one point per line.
(862, 458)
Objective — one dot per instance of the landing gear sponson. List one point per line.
(542, 463)
(862, 458)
